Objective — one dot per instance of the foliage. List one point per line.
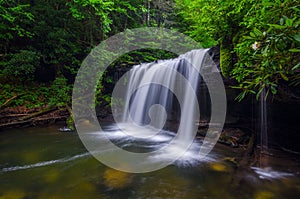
(14, 21)
(37, 95)
(143, 55)
(60, 92)
(264, 35)
(269, 52)
(43, 44)
(20, 66)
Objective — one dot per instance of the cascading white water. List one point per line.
(149, 96)
(151, 104)
(263, 122)
(136, 145)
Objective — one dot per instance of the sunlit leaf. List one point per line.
(284, 76)
(294, 50)
(277, 26)
(296, 66)
(297, 37)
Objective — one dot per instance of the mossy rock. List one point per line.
(225, 61)
(116, 179)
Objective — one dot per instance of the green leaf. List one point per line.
(267, 3)
(273, 90)
(257, 32)
(297, 38)
(289, 22)
(252, 91)
(241, 96)
(296, 66)
(284, 76)
(296, 9)
(252, 34)
(259, 92)
(277, 26)
(294, 50)
(248, 37)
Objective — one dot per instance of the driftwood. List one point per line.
(41, 112)
(14, 123)
(14, 115)
(31, 121)
(45, 115)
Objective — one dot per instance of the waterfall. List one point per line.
(263, 122)
(153, 95)
(152, 88)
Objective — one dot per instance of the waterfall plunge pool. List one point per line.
(44, 163)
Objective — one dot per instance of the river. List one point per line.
(44, 163)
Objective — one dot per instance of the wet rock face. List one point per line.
(233, 137)
(283, 125)
(214, 52)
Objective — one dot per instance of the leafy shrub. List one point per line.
(269, 52)
(21, 66)
(59, 92)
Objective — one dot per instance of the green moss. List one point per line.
(225, 61)
(70, 122)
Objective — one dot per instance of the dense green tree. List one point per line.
(44, 42)
(21, 66)
(259, 39)
(15, 19)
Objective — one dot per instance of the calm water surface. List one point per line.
(43, 163)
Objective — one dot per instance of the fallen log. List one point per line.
(14, 115)
(48, 114)
(6, 125)
(41, 112)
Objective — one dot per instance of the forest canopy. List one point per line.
(44, 42)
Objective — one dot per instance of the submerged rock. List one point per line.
(116, 179)
(65, 129)
(233, 137)
(264, 195)
(218, 167)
